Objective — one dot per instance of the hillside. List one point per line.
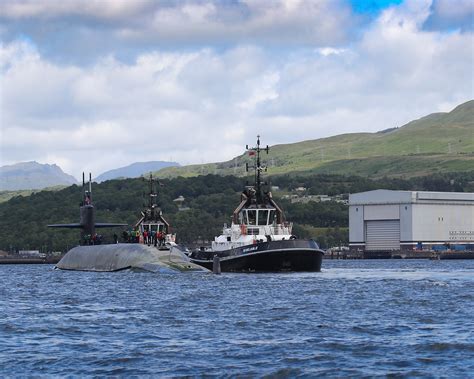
(439, 142)
(134, 170)
(7, 195)
(32, 175)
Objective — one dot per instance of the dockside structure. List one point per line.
(387, 221)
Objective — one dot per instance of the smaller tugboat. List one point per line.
(259, 239)
(152, 226)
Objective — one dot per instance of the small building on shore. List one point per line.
(30, 254)
(387, 221)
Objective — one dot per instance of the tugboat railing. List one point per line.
(237, 230)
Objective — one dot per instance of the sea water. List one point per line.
(355, 318)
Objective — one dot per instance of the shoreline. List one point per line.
(17, 260)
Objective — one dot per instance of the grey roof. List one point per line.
(396, 197)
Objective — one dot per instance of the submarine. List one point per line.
(91, 255)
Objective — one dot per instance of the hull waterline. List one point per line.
(278, 256)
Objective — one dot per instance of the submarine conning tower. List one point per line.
(87, 222)
(86, 210)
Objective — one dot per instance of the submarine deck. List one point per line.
(121, 256)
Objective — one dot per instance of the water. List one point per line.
(356, 318)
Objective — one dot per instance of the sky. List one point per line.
(100, 84)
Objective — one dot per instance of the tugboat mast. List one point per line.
(258, 168)
(152, 194)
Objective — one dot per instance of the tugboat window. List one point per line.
(262, 217)
(271, 217)
(252, 217)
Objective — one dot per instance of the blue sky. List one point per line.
(372, 6)
(94, 85)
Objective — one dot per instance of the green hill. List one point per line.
(439, 142)
(7, 195)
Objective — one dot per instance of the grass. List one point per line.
(7, 195)
(436, 143)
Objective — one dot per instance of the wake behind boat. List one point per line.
(259, 239)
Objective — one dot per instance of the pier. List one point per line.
(15, 260)
(399, 254)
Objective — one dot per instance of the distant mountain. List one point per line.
(32, 175)
(134, 170)
(439, 142)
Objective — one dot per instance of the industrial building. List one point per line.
(387, 221)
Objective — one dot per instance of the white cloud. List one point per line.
(119, 24)
(102, 9)
(204, 104)
(330, 50)
(261, 90)
(446, 15)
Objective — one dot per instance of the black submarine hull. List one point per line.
(273, 256)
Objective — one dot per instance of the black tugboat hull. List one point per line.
(276, 256)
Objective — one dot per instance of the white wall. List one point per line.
(424, 216)
(381, 212)
(356, 224)
(406, 222)
(443, 222)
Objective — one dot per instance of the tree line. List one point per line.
(211, 200)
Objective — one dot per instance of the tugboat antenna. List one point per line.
(257, 167)
(151, 190)
(152, 195)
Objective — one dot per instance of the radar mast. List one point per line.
(258, 168)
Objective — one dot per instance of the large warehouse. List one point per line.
(384, 220)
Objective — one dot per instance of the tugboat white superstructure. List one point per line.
(259, 239)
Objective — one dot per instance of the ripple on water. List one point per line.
(356, 318)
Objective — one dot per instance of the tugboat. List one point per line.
(259, 239)
(152, 226)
